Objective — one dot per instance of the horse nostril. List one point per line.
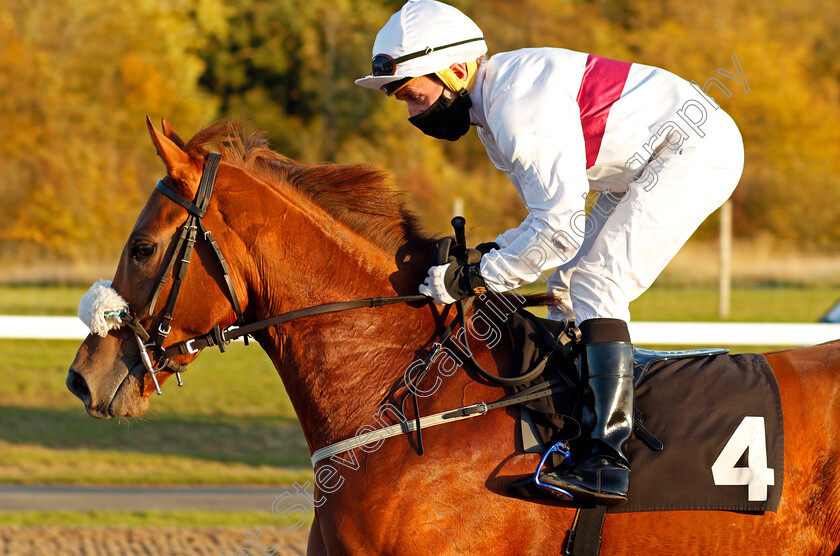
(77, 385)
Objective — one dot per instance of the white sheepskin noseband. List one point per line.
(100, 308)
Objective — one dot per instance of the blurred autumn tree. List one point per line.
(76, 81)
(789, 118)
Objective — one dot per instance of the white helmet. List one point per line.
(424, 37)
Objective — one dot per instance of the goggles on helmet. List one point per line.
(385, 64)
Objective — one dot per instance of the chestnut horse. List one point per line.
(297, 235)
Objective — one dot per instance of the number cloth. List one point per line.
(720, 420)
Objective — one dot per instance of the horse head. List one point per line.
(108, 373)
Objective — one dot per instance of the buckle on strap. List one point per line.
(216, 337)
(188, 346)
(479, 408)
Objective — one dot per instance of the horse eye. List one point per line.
(140, 251)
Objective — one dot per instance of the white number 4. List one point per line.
(748, 436)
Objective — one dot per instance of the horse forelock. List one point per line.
(358, 195)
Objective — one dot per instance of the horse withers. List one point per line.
(296, 235)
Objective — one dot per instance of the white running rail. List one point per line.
(685, 334)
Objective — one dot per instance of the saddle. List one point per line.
(708, 431)
(708, 425)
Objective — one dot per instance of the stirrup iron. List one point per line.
(562, 448)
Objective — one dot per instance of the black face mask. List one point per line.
(447, 118)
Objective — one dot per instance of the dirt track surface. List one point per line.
(82, 498)
(147, 541)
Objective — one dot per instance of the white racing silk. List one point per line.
(100, 300)
(560, 123)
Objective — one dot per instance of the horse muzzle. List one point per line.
(108, 376)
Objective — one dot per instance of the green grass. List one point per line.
(40, 300)
(215, 384)
(231, 423)
(247, 520)
(765, 304)
(748, 304)
(759, 304)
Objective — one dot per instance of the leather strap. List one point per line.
(585, 535)
(234, 299)
(190, 207)
(208, 340)
(539, 391)
(150, 306)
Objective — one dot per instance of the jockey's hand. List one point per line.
(453, 281)
(485, 248)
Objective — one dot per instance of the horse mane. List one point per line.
(359, 195)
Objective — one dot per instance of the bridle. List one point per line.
(192, 230)
(187, 236)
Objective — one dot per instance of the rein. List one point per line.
(217, 337)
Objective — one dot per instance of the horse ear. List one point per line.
(179, 165)
(169, 131)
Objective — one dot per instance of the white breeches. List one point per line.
(631, 237)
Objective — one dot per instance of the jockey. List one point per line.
(660, 153)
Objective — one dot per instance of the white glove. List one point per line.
(433, 286)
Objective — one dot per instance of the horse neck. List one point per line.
(338, 368)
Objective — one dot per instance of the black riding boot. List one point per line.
(603, 476)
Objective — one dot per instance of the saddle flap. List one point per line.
(645, 358)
